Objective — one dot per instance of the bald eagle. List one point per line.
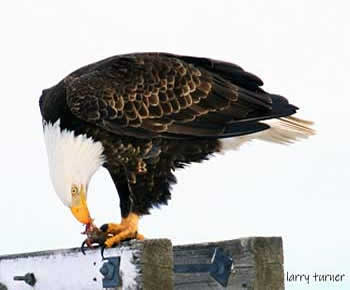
(143, 115)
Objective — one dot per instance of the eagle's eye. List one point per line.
(74, 190)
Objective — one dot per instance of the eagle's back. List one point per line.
(155, 94)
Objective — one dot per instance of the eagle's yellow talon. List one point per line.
(127, 229)
(109, 243)
(114, 228)
(140, 237)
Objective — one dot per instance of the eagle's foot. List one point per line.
(126, 230)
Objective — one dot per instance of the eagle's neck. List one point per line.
(72, 159)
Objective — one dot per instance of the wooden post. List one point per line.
(148, 265)
(258, 264)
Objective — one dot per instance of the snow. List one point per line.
(67, 269)
(128, 271)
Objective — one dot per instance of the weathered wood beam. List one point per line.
(148, 265)
(258, 264)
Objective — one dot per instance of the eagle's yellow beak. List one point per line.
(79, 206)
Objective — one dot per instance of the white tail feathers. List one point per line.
(284, 130)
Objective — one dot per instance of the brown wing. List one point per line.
(145, 95)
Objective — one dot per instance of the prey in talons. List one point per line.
(110, 235)
(125, 231)
(95, 237)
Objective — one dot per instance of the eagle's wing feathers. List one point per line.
(145, 95)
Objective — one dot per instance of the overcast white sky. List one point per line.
(300, 192)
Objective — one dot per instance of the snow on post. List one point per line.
(254, 263)
(143, 265)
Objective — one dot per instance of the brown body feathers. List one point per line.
(154, 112)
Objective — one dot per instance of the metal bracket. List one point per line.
(220, 268)
(110, 272)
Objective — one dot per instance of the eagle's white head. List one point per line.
(72, 162)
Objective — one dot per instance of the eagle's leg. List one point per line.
(127, 229)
